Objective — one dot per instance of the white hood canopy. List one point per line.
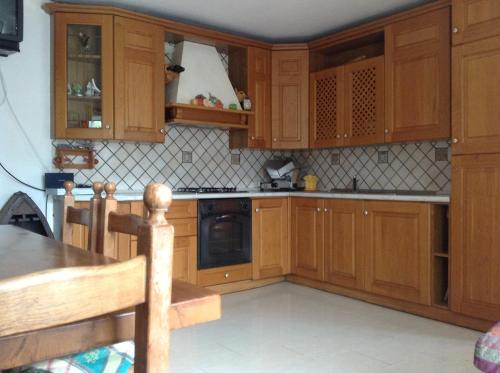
(205, 74)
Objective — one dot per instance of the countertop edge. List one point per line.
(84, 194)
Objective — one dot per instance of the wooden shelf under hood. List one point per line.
(202, 116)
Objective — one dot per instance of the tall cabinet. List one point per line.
(475, 200)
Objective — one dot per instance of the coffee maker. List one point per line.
(283, 174)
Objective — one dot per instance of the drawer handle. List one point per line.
(226, 275)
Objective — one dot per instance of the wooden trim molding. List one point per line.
(375, 26)
(193, 33)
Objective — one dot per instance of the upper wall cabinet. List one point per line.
(476, 88)
(347, 104)
(83, 73)
(417, 52)
(290, 99)
(475, 19)
(109, 80)
(139, 81)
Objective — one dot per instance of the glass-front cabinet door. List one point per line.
(83, 76)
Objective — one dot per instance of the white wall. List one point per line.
(28, 84)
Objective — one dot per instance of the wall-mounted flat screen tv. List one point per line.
(11, 26)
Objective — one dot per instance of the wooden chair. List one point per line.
(87, 217)
(62, 296)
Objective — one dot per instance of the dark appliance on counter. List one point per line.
(11, 26)
(224, 232)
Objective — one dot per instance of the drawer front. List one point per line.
(182, 209)
(184, 227)
(224, 275)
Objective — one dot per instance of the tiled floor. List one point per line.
(289, 328)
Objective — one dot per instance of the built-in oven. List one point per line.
(224, 232)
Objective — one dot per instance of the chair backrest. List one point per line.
(61, 296)
(88, 217)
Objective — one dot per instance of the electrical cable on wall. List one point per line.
(5, 101)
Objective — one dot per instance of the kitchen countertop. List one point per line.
(84, 194)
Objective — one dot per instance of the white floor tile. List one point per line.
(288, 328)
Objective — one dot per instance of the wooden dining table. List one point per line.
(23, 252)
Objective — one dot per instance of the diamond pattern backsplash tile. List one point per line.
(410, 166)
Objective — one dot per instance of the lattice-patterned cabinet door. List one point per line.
(364, 101)
(327, 108)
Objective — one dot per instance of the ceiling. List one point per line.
(268, 20)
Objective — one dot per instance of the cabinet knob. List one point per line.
(345, 135)
(107, 127)
(338, 136)
(253, 137)
(318, 209)
(163, 131)
(386, 130)
(257, 210)
(226, 275)
(454, 141)
(365, 212)
(455, 30)
(275, 139)
(326, 210)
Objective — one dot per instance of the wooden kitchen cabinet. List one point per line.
(270, 249)
(124, 57)
(259, 91)
(364, 102)
(139, 81)
(343, 243)
(290, 99)
(475, 20)
(83, 51)
(307, 237)
(417, 60)
(476, 88)
(475, 273)
(397, 248)
(327, 124)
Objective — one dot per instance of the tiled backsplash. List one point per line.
(201, 157)
(410, 166)
(189, 157)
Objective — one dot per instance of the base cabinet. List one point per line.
(475, 236)
(270, 254)
(397, 247)
(380, 247)
(343, 246)
(307, 237)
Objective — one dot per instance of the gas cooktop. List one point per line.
(208, 190)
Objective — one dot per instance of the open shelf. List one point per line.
(84, 98)
(440, 256)
(89, 58)
(185, 114)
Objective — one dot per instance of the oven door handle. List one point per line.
(226, 216)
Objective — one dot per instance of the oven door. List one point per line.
(224, 239)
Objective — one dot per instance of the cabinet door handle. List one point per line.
(107, 127)
(326, 210)
(226, 275)
(365, 212)
(386, 130)
(454, 141)
(455, 30)
(318, 209)
(275, 139)
(253, 137)
(162, 131)
(257, 210)
(338, 136)
(345, 135)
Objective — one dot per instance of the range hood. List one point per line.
(204, 74)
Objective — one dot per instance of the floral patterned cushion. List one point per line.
(487, 353)
(117, 358)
